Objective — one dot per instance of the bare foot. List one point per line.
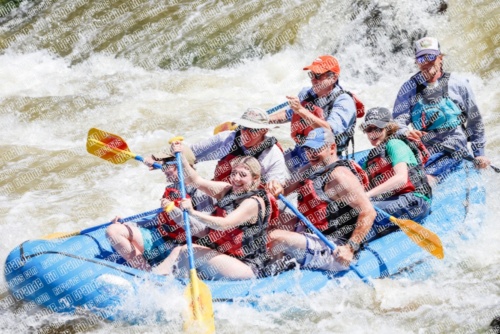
(160, 271)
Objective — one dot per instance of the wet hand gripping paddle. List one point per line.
(229, 126)
(420, 235)
(458, 153)
(319, 234)
(465, 156)
(201, 315)
(111, 147)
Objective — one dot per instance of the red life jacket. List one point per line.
(246, 241)
(223, 168)
(418, 148)
(275, 211)
(167, 227)
(327, 215)
(299, 127)
(379, 168)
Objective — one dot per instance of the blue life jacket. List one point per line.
(433, 109)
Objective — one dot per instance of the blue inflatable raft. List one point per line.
(84, 272)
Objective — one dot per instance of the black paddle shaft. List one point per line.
(465, 155)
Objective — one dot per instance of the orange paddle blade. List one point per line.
(226, 126)
(423, 237)
(108, 146)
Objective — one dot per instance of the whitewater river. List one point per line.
(149, 70)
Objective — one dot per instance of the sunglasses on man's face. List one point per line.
(314, 150)
(168, 165)
(318, 76)
(252, 130)
(426, 59)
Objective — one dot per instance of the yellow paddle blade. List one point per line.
(200, 317)
(169, 207)
(423, 237)
(108, 146)
(178, 138)
(226, 126)
(59, 235)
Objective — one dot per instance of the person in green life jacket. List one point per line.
(397, 180)
(442, 109)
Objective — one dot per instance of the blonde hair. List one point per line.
(252, 165)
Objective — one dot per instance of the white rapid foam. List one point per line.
(50, 183)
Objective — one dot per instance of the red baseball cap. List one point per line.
(323, 64)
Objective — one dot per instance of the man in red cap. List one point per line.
(324, 105)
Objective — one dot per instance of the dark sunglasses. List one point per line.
(426, 58)
(252, 130)
(167, 165)
(314, 150)
(371, 129)
(319, 76)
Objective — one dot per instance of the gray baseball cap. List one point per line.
(379, 117)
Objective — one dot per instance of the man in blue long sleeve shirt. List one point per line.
(442, 109)
(324, 105)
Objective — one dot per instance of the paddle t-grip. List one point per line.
(174, 139)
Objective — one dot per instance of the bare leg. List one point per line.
(167, 266)
(286, 242)
(285, 221)
(210, 264)
(127, 241)
(295, 245)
